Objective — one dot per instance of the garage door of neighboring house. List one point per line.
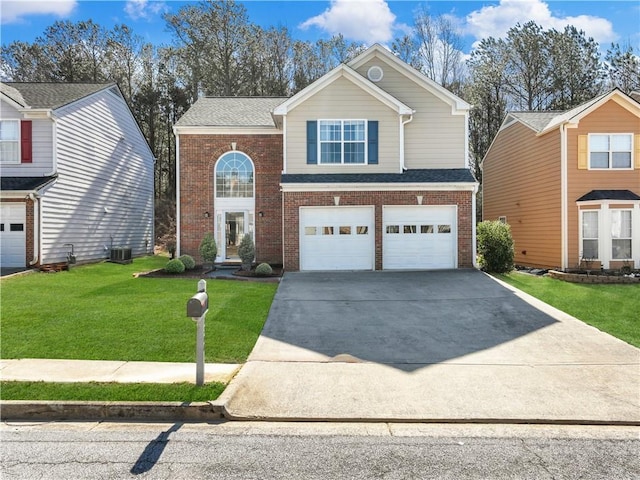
(337, 238)
(12, 235)
(419, 237)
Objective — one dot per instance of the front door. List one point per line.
(235, 228)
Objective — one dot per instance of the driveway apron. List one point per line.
(429, 346)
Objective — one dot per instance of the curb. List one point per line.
(26, 410)
(95, 411)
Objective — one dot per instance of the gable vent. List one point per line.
(375, 73)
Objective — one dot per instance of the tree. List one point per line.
(623, 67)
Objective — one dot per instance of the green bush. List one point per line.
(174, 266)
(188, 261)
(263, 270)
(495, 246)
(246, 251)
(208, 249)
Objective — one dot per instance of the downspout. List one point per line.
(284, 171)
(563, 198)
(284, 144)
(178, 194)
(36, 228)
(474, 220)
(403, 167)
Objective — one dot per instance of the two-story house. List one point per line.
(76, 173)
(365, 169)
(568, 184)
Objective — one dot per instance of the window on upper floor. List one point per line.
(610, 151)
(9, 141)
(342, 142)
(234, 176)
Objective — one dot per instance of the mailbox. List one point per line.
(198, 305)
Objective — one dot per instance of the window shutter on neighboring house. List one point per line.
(372, 135)
(312, 142)
(583, 152)
(26, 155)
(636, 141)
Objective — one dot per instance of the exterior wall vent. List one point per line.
(120, 255)
(375, 73)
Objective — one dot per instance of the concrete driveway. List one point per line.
(429, 346)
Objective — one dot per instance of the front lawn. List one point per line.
(614, 309)
(111, 392)
(101, 312)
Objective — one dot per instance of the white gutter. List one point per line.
(178, 195)
(403, 167)
(563, 198)
(284, 144)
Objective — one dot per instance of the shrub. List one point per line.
(174, 266)
(208, 249)
(495, 246)
(188, 261)
(246, 251)
(263, 270)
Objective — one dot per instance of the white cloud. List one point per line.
(368, 21)
(12, 11)
(144, 9)
(496, 20)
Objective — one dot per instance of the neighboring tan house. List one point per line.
(568, 184)
(76, 172)
(365, 169)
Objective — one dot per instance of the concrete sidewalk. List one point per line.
(47, 370)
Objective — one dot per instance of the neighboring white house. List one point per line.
(76, 172)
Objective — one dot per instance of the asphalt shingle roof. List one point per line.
(231, 112)
(24, 183)
(609, 195)
(448, 175)
(50, 95)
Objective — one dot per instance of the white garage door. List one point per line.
(337, 238)
(419, 237)
(12, 235)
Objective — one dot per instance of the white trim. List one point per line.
(564, 208)
(284, 144)
(210, 130)
(474, 223)
(373, 187)
(17, 141)
(216, 199)
(178, 209)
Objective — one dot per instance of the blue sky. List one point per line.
(365, 21)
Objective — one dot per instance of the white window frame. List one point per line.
(596, 238)
(610, 151)
(12, 161)
(342, 140)
(613, 211)
(217, 191)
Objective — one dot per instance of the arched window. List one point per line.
(234, 176)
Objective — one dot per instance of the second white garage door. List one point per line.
(419, 237)
(337, 238)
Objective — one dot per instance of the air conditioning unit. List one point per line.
(120, 255)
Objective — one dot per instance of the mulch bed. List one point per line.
(206, 272)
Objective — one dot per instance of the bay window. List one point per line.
(621, 234)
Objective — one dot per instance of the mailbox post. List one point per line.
(197, 308)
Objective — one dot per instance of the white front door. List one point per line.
(337, 238)
(419, 237)
(230, 227)
(12, 235)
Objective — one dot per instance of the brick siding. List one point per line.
(198, 156)
(294, 200)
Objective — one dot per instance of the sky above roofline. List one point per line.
(362, 21)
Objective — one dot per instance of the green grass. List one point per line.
(110, 392)
(101, 312)
(614, 309)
